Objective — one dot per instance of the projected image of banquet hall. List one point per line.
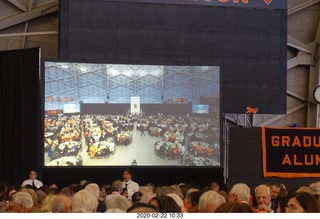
(118, 115)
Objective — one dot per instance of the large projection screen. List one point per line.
(98, 114)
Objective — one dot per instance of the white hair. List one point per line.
(94, 189)
(210, 198)
(24, 199)
(117, 201)
(84, 202)
(316, 187)
(242, 191)
(115, 210)
(147, 197)
(263, 187)
(145, 189)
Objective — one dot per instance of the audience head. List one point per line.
(239, 192)
(117, 186)
(83, 182)
(263, 194)
(223, 193)
(145, 189)
(93, 188)
(214, 186)
(316, 187)
(54, 186)
(78, 188)
(46, 189)
(282, 204)
(67, 191)
(32, 192)
(209, 201)
(115, 210)
(151, 186)
(117, 201)
(61, 204)
(55, 191)
(184, 188)
(275, 189)
(147, 197)
(22, 202)
(192, 201)
(306, 189)
(283, 191)
(205, 188)
(47, 203)
(84, 202)
(190, 190)
(176, 189)
(302, 202)
(163, 190)
(105, 190)
(136, 197)
(141, 207)
(11, 193)
(41, 195)
(178, 200)
(165, 203)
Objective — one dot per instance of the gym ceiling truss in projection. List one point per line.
(120, 115)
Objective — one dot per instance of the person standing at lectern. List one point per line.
(33, 181)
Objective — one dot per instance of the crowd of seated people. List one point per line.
(124, 138)
(197, 137)
(168, 149)
(103, 132)
(62, 136)
(89, 197)
(102, 149)
(185, 135)
(67, 161)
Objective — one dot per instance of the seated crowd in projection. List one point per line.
(192, 139)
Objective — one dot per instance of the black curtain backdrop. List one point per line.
(20, 125)
(157, 175)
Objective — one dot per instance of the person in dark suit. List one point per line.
(142, 131)
(275, 189)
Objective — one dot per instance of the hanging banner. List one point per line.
(135, 105)
(290, 152)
